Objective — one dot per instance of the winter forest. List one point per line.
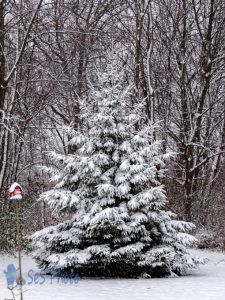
(112, 119)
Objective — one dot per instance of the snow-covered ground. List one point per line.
(208, 282)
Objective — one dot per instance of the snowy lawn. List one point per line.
(208, 282)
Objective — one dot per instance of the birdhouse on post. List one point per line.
(16, 192)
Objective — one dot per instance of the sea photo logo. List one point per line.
(16, 284)
(11, 274)
(56, 277)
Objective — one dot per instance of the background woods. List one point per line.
(172, 51)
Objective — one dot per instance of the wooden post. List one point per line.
(16, 195)
(19, 247)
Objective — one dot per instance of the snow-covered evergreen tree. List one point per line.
(111, 190)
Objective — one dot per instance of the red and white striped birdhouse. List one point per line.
(16, 191)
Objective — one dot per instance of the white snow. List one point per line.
(13, 186)
(206, 283)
